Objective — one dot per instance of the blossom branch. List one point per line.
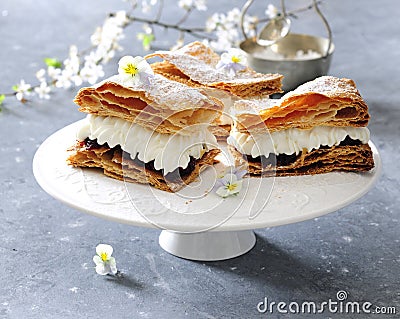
(220, 32)
(197, 32)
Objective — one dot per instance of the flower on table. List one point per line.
(43, 91)
(232, 61)
(134, 70)
(105, 263)
(41, 75)
(22, 90)
(230, 183)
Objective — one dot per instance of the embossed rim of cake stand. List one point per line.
(327, 193)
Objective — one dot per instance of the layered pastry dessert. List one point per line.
(153, 132)
(223, 77)
(317, 128)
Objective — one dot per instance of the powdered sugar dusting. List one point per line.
(195, 68)
(329, 86)
(253, 106)
(174, 95)
(198, 62)
(201, 51)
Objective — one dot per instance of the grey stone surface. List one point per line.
(46, 248)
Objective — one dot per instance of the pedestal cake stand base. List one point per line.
(207, 246)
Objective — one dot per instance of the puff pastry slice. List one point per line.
(164, 106)
(195, 65)
(325, 101)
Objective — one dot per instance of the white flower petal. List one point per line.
(222, 191)
(102, 269)
(238, 187)
(144, 66)
(104, 248)
(229, 178)
(19, 96)
(134, 70)
(232, 61)
(113, 265)
(97, 260)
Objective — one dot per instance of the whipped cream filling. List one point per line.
(168, 151)
(294, 140)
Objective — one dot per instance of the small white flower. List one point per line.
(146, 5)
(200, 5)
(43, 91)
(121, 18)
(91, 73)
(72, 63)
(234, 15)
(23, 90)
(271, 11)
(134, 70)
(40, 75)
(91, 70)
(190, 4)
(232, 61)
(230, 185)
(53, 72)
(250, 25)
(95, 38)
(64, 80)
(105, 264)
(213, 22)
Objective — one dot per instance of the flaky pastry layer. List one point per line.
(325, 101)
(351, 158)
(164, 106)
(120, 166)
(195, 65)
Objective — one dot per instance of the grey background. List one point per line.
(46, 248)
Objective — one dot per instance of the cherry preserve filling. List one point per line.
(285, 160)
(175, 175)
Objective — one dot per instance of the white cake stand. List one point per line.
(196, 223)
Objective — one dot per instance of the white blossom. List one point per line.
(212, 22)
(105, 263)
(91, 70)
(67, 78)
(249, 25)
(72, 62)
(43, 91)
(271, 11)
(23, 90)
(106, 38)
(41, 75)
(233, 61)
(193, 4)
(120, 18)
(53, 72)
(134, 70)
(230, 185)
(226, 28)
(233, 15)
(147, 5)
